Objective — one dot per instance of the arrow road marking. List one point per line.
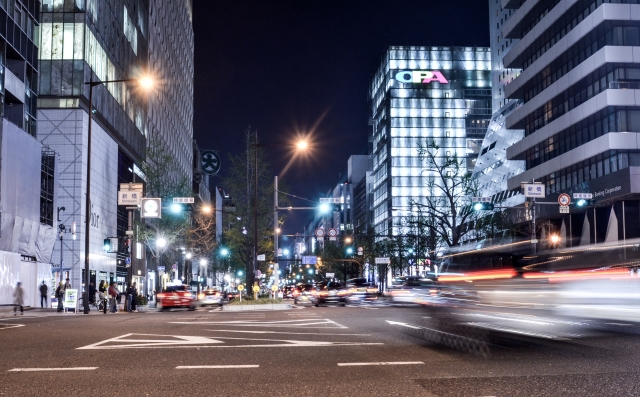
(403, 324)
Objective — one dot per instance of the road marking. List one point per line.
(137, 342)
(8, 326)
(381, 363)
(215, 366)
(620, 324)
(53, 369)
(288, 333)
(292, 323)
(403, 324)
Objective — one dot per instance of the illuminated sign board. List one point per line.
(420, 76)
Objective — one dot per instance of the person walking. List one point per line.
(44, 291)
(134, 298)
(113, 292)
(102, 292)
(60, 296)
(92, 293)
(18, 299)
(129, 298)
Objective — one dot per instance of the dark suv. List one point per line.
(361, 291)
(332, 293)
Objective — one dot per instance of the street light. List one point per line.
(161, 242)
(300, 145)
(145, 82)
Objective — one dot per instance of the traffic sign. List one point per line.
(174, 267)
(256, 288)
(587, 196)
(330, 275)
(333, 232)
(132, 187)
(161, 269)
(240, 287)
(151, 208)
(261, 257)
(319, 233)
(210, 162)
(535, 190)
(126, 197)
(360, 251)
(564, 209)
(564, 199)
(382, 261)
(481, 199)
(330, 200)
(309, 260)
(183, 200)
(274, 288)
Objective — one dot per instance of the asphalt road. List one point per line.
(327, 351)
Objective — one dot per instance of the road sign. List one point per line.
(274, 288)
(151, 208)
(183, 200)
(535, 190)
(261, 258)
(383, 261)
(161, 269)
(564, 199)
(127, 261)
(309, 260)
(174, 267)
(256, 288)
(330, 275)
(330, 200)
(481, 199)
(240, 287)
(126, 197)
(138, 187)
(210, 162)
(333, 232)
(319, 233)
(564, 209)
(360, 251)
(587, 196)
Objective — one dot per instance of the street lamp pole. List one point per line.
(276, 266)
(91, 83)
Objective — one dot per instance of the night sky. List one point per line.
(286, 66)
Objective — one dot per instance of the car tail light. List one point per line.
(433, 292)
(160, 296)
(201, 296)
(314, 293)
(296, 293)
(324, 293)
(188, 294)
(372, 290)
(342, 293)
(217, 294)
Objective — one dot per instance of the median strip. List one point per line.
(53, 369)
(381, 363)
(215, 366)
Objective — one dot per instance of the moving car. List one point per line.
(176, 296)
(210, 297)
(304, 294)
(416, 290)
(333, 293)
(361, 291)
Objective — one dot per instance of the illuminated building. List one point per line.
(420, 94)
(579, 84)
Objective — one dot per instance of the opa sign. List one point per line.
(420, 76)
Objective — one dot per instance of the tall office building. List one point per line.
(420, 94)
(111, 40)
(27, 167)
(579, 83)
(493, 169)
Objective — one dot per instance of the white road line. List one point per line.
(289, 333)
(9, 326)
(381, 363)
(53, 369)
(215, 366)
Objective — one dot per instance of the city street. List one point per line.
(357, 351)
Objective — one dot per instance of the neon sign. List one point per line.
(420, 76)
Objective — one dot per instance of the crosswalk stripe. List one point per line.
(53, 369)
(215, 366)
(381, 363)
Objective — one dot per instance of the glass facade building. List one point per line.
(580, 116)
(420, 94)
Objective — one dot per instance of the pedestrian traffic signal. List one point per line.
(107, 244)
(482, 206)
(110, 244)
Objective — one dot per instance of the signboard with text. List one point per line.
(534, 190)
(70, 298)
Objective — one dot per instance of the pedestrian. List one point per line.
(18, 299)
(60, 296)
(129, 298)
(92, 293)
(44, 291)
(113, 294)
(67, 283)
(134, 298)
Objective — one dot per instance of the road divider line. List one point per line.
(215, 366)
(53, 369)
(381, 363)
(290, 333)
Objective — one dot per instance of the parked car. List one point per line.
(333, 293)
(210, 297)
(361, 291)
(176, 296)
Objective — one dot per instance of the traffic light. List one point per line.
(482, 206)
(110, 244)
(581, 203)
(107, 244)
